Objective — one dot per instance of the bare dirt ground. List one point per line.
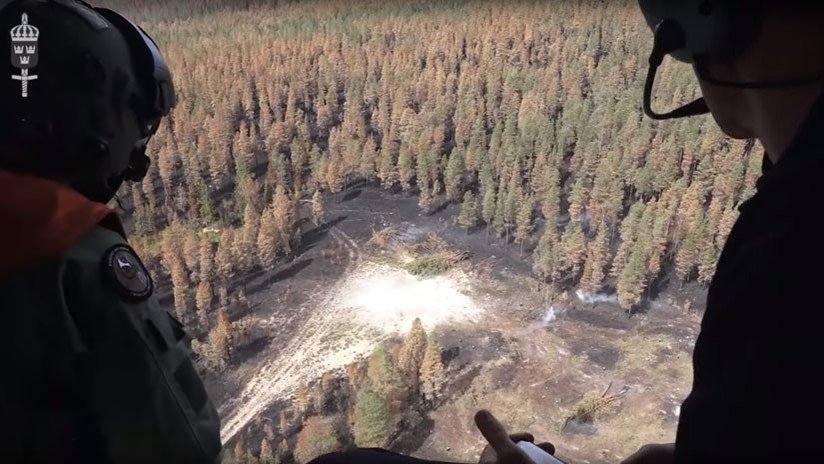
(508, 350)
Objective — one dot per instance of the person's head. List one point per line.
(82, 90)
(789, 44)
(759, 63)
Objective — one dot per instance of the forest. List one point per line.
(527, 113)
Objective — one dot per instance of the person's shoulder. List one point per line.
(92, 246)
(103, 259)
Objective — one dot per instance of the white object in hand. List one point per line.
(536, 454)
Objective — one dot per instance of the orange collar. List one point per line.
(42, 218)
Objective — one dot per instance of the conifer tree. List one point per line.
(387, 168)
(207, 267)
(371, 418)
(631, 281)
(224, 259)
(432, 371)
(523, 222)
(317, 208)
(547, 254)
(687, 256)
(572, 250)
(488, 207)
(454, 174)
(596, 260)
(266, 456)
(411, 353)
(406, 167)
(268, 240)
(385, 377)
(469, 212)
(317, 438)
(245, 245)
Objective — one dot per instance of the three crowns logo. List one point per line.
(24, 50)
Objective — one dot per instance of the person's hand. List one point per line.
(502, 447)
(653, 454)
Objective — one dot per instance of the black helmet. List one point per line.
(81, 95)
(702, 32)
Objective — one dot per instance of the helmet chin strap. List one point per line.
(669, 37)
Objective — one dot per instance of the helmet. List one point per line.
(713, 31)
(82, 94)
(702, 32)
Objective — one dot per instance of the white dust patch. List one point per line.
(590, 298)
(390, 299)
(346, 323)
(550, 316)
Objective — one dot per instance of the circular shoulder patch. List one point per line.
(124, 271)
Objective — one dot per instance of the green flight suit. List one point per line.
(94, 369)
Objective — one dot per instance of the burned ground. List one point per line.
(529, 366)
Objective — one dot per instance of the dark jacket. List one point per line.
(94, 369)
(756, 393)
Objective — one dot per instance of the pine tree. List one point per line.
(424, 170)
(266, 456)
(628, 234)
(432, 371)
(687, 256)
(510, 205)
(425, 200)
(241, 453)
(725, 226)
(191, 253)
(406, 167)
(180, 287)
(317, 208)
(572, 250)
(411, 353)
(708, 257)
(550, 205)
(577, 199)
(658, 242)
(268, 240)
(283, 450)
(207, 267)
(387, 168)
(245, 245)
(224, 259)
(356, 374)
(596, 260)
(523, 222)
(488, 207)
(369, 159)
(385, 377)
(317, 438)
(283, 211)
(203, 299)
(302, 402)
(547, 254)
(268, 432)
(454, 174)
(631, 281)
(220, 338)
(499, 222)
(206, 209)
(476, 150)
(371, 424)
(469, 212)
